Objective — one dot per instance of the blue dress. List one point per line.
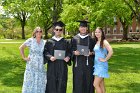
(100, 68)
(35, 73)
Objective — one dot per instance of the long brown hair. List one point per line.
(35, 30)
(102, 37)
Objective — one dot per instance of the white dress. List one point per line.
(35, 73)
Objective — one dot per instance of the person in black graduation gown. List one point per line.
(82, 65)
(57, 70)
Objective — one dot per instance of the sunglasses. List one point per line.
(58, 29)
(38, 31)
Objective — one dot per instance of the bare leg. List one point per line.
(97, 82)
(102, 85)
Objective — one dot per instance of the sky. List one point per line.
(1, 10)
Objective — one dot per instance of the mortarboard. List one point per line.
(83, 23)
(59, 23)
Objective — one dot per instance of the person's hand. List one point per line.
(91, 53)
(76, 53)
(26, 59)
(66, 59)
(102, 60)
(52, 58)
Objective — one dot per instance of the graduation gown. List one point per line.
(82, 70)
(56, 71)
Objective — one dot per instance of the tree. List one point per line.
(46, 13)
(134, 5)
(125, 16)
(19, 9)
(105, 11)
(7, 27)
(73, 11)
(98, 12)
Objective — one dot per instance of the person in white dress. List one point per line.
(35, 73)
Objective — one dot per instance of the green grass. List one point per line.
(11, 40)
(11, 69)
(124, 69)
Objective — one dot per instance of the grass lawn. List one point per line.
(11, 40)
(11, 69)
(124, 69)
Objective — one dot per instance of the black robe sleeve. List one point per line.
(73, 47)
(92, 44)
(46, 53)
(68, 52)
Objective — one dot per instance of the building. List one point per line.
(116, 32)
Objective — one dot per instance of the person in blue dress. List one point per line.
(35, 73)
(103, 52)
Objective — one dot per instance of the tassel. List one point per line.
(87, 60)
(76, 62)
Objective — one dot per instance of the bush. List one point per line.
(49, 35)
(67, 36)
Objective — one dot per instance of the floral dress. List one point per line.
(35, 73)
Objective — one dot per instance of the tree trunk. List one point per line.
(46, 27)
(54, 18)
(125, 31)
(23, 21)
(23, 32)
(46, 32)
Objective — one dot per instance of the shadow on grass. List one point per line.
(125, 59)
(133, 87)
(127, 88)
(11, 71)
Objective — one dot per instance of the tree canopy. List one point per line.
(45, 12)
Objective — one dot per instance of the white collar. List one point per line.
(83, 36)
(57, 38)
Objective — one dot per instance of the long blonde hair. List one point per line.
(35, 30)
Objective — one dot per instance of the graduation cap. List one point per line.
(59, 23)
(83, 23)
